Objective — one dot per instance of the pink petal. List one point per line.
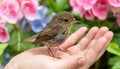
(2, 21)
(19, 2)
(77, 8)
(118, 19)
(74, 4)
(100, 9)
(9, 11)
(82, 11)
(4, 36)
(87, 4)
(115, 3)
(89, 15)
(115, 10)
(80, 2)
(29, 9)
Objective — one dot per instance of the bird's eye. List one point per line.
(65, 20)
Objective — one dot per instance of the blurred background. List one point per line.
(20, 19)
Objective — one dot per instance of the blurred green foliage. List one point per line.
(2, 47)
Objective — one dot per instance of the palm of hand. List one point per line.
(79, 56)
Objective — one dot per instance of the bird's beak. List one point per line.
(76, 21)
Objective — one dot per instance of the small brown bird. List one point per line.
(57, 30)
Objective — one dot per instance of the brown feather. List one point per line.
(47, 34)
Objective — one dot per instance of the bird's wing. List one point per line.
(47, 33)
(30, 39)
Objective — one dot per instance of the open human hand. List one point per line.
(75, 56)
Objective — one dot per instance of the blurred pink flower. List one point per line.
(118, 19)
(115, 10)
(29, 8)
(4, 36)
(19, 1)
(100, 9)
(81, 11)
(115, 3)
(79, 8)
(86, 4)
(89, 15)
(74, 4)
(2, 21)
(9, 10)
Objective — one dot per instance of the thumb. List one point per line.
(72, 62)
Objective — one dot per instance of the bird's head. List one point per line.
(65, 19)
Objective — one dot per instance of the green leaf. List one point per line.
(58, 5)
(62, 4)
(52, 4)
(2, 58)
(116, 38)
(114, 49)
(16, 45)
(114, 60)
(77, 26)
(117, 65)
(2, 47)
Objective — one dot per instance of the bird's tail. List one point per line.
(30, 39)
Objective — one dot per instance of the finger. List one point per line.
(98, 35)
(85, 41)
(93, 52)
(73, 62)
(108, 36)
(101, 32)
(71, 40)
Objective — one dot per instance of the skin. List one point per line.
(74, 56)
